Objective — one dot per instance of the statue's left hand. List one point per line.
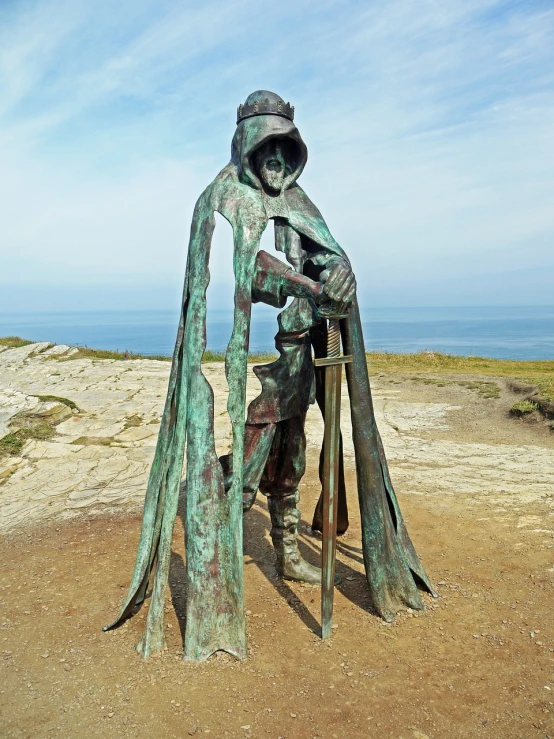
(340, 284)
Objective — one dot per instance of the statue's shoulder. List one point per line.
(215, 190)
(306, 218)
(239, 203)
(301, 206)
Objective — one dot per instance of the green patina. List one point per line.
(215, 618)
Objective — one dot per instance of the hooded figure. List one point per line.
(258, 184)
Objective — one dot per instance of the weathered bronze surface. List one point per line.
(331, 451)
(268, 451)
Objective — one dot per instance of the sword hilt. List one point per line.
(333, 338)
(333, 346)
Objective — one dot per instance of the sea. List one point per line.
(517, 332)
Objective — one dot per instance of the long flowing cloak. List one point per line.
(215, 617)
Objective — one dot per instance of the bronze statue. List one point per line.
(268, 452)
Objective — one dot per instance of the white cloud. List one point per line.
(429, 127)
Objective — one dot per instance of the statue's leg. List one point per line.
(258, 439)
(285, 467)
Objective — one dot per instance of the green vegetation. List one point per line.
(132, 422)
(85, 353)
(93, 441)
(539, 373)
(38, 352)
(485, 388)
(262, 357)
(431, 381)
(13, 342)
(57, 399)
(11, 444)
(210, 356)
(523, 407)
(31, 425)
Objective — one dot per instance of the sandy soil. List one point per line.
(478, 663)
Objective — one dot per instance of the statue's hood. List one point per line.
(252, 132)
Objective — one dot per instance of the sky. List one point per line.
(429, 126)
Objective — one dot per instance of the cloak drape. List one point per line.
(213, 523)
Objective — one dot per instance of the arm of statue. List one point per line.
(320, 265)
(337, 276)
(274, 282)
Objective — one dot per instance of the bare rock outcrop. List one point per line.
(80, 433)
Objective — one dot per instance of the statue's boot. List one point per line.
(284, 529)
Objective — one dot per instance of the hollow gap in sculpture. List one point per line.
(219, 325)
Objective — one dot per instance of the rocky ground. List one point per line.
(476, 487)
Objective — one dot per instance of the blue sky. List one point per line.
(429, 125)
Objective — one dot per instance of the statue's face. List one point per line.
(270, 165)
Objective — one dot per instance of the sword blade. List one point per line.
(330, 493)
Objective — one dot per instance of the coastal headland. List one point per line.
(470, 444)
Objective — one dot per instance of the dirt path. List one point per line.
(476, 490)
(477, 663)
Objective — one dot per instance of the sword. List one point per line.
(333, 370)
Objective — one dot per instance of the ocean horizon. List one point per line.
(500, 332)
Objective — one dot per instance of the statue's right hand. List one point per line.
(339, 283)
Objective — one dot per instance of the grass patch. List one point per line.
(208, 356)
(12, 443)
(431, 381)
(523, 407)
(14, 342)
(485, 388)
(262, 357)
(539, 373)
(38, 352)
(93, 441)
(32, 426)
(85, 353)
(132, 422)
(58, 399)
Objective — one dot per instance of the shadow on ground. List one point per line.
(259, 551)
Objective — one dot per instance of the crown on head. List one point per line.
(265, 107)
